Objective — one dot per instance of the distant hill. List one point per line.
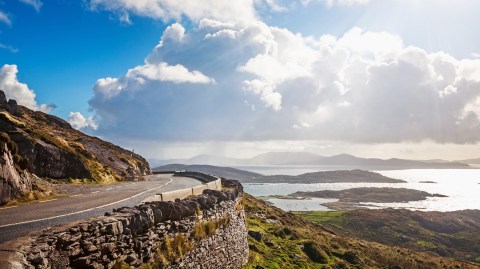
(226, 172)
(250, 177)
(341, 161)
(48, 147)
(286, 158)
(351, 176)
(470, 161)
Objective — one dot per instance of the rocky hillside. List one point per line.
(449, 234)
(14, 179)
(278, 239)
(48, 147)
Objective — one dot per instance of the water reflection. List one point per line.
(460, 185)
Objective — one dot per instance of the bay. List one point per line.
(462, 186)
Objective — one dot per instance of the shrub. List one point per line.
(12, 146)
(315, 252)
(199, 231)
(210, 227)
(120, 265)
(20, 161)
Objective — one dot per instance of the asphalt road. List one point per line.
(82, 202)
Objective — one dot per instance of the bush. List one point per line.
(315, 252)
(20, 161)
(199, 231)
(350, 257)
(12, 146)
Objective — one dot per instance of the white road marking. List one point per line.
(86, 210)
(95, 191)
(76, 195)
(109, 189)
(13, 206)
(44, 201)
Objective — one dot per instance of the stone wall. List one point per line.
(149, 234)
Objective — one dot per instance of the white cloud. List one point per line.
(78, 121)
(330, 3)
(346, 2)
(275, 6)
(9, 48)
(137, 77)
(36, 4)
(362, 87)
(5, 18)
(374, 43)
(19, 91)
(167, 10)
(165, 72)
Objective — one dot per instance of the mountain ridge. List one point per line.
(307, 158)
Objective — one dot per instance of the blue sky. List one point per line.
(65, 48)
(326, 76)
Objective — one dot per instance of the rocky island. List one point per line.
(350, 198)
(372, 195)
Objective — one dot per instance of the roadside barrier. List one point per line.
(209, 183)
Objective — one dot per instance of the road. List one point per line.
(82, 202)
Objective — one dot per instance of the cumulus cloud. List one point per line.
(14, 89)
(167, 10)
(36, 4)
(364, 87)
(78, 121)
(137, 77)
(5, 18)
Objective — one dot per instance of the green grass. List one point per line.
(292, 241)
(319, 216)
(426, 244)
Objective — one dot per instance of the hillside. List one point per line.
(48, 147)
(278, 239)
(449, 234)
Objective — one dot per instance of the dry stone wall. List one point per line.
(137, 236)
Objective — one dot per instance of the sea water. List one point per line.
(462, 186)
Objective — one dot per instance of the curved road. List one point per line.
(84, 201)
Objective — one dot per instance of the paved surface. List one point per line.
(82, 202)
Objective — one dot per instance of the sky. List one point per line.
(173, 79)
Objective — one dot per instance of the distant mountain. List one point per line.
(210, 159)
(226, 172)
(315, 177)
(286, 158)
(160, 162)
(350, 160)
(470, 161)
(339, 162)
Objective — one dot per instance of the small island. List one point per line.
(344, 176)
(370, 195)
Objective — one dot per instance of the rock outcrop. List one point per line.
(14, 181)
(50, 148)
